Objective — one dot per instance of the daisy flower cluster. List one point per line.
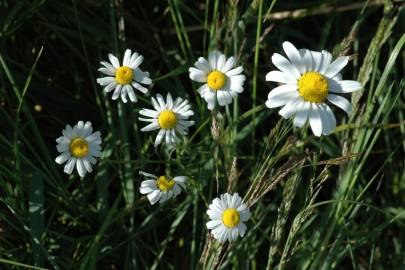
(308, 83)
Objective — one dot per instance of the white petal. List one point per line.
(281, 99)
(131, 94)
(214, 214)
(341, 102)
(213, 224)
(210, 98)
(62, 147)
(302, 113)
(234, 71)
(124, 94)
(336, 66)
(307, 59)
(148, 174)
(180, 179)
(114, 60)
(236, 83)
(117, 92)
(241, 229)
(278, 76)
(282, 89)
(294, 56)
(156, 105)
(134, 56)
(70, 165)
(108, 66)
(203, 65)
(62, 157)
(140, 87)
(107, 71)
(150, 127)
(317, 60)
(290, 108)
(315, 120)
(87, 165)
(105, 80)
(222, 98)
(213, 58)
(284, 65)
(80, 167)
(110, 87)
(244, 215)
(346, 86)
(169, 101)
(197, 75)
(95, 137)
(220, 62)
(236, 201)
(328, 119)
(149, 113)
(142, 77)
(326, 59)
(154, 197)
(229, 64)
(136, 63)
(161, 101)
(146, 190)
(159, 137)
(127, 57)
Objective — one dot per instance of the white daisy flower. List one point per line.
(79, 147)
(221, 80)
(170, 117)
(161, 188)
(227, 215)
(309, 79)
(122, 79)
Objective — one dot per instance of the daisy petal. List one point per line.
(294, 56)
(114, 60)
(284, 65)
(341, 102)
(315, 120)
(301, 116)
(346, 86)
(281, 99)
(278, 76)
(336, 66)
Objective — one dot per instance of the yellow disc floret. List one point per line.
(164, 184)
(231, 217)
(79, 147)
(167, 119)
(216, 80)
(124, 75)
(313, 87)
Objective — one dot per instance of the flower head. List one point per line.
(160, 189)
(309, 79)
(78, 147)
(227, 216)
(124, 79)
(222, 81)
(170, 117)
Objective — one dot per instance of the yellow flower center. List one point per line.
(124, 75)
(79, 147)
(167, 119)
(164, 184)
(216, 80)
(313, 87)
(230, 217)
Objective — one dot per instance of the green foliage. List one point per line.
(334, 202)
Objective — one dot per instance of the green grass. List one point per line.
(335, 202)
